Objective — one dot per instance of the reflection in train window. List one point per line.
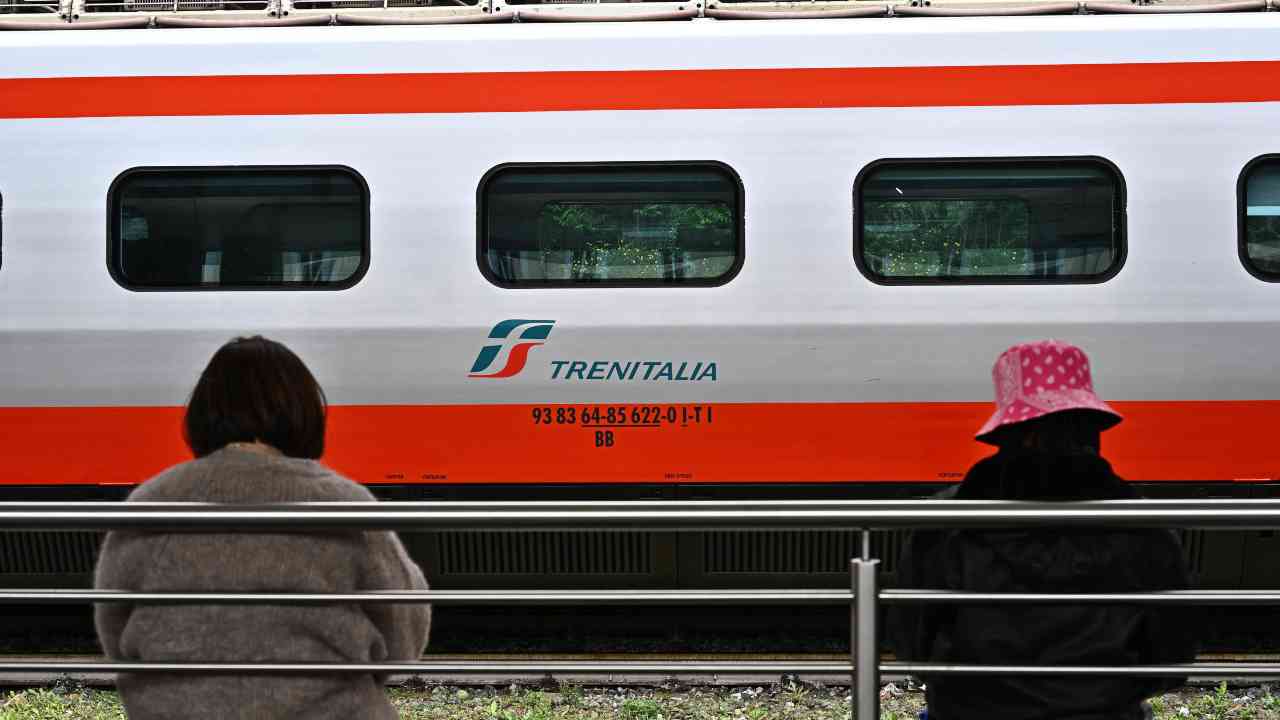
(984, 221)
(1260, 221)
(239, 228)
(628, 224)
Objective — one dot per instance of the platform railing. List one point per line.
(864, 597)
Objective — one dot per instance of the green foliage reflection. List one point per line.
(665, 240)
(939, 238)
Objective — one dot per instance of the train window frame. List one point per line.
(1242, 208)
(1120, 221)
(113, 228)
(738, 210)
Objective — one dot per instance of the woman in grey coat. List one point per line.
(255, 423)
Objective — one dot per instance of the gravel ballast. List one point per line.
(789, 701)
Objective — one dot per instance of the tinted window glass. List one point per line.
(989, 221)
(622, 225)
(1261, 246)
(239, 228)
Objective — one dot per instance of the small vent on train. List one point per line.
(546, 553)
(357, 4)
(794, 551)
(48, 553)
(166, 6)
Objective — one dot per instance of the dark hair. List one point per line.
(1070, 432)
(255, 389)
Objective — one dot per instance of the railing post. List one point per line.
(853, 639)
(863, 645)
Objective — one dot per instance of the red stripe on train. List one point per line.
(948, 86)
(743, 442)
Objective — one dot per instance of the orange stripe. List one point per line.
(748, 442)
(1118, 83)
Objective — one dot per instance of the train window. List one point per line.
(989, 221)
(1260, 217)
(239, 228)
(626, 224)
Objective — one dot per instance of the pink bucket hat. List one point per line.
(1038, 378)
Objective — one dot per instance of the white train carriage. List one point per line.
(710, 258)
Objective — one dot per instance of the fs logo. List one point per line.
(518, 347)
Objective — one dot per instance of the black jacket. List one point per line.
(1042, 560)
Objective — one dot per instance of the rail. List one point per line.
(142, 14)
(864, 597)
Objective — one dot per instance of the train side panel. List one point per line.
(820, 375)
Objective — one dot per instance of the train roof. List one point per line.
(143, 14)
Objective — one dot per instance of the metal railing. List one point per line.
(864, 597)
(113, 14)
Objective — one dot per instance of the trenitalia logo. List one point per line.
(517, 347)
(632, 370)
(518, 337)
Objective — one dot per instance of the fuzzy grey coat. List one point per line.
(257, 562)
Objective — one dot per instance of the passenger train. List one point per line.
(686, 259)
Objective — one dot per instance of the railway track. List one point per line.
(615, 669)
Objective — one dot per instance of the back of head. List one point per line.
(256, 390)
(1070, 432)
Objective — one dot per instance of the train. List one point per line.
(684, 258)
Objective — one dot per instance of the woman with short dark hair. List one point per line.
(1047, 427)
(256, 390)
(256, 423)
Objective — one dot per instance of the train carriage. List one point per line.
(677, 259)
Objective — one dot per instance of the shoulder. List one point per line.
(246, 477)
(175, 483)
(284, 479)
(328, 484)
(1033, 476)
(303, 480)
(982, 480)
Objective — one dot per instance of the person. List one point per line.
(1047, 429)
(256, 423)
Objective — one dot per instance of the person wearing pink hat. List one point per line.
(1047, 429)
